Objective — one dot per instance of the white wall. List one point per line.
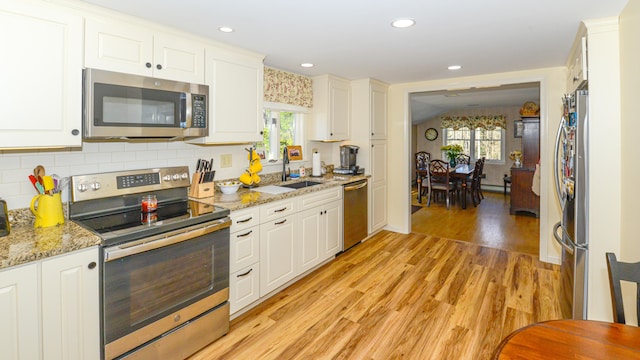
(552, 87)
(630, 128)
(94, 157)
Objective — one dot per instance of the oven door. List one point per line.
(153, 285)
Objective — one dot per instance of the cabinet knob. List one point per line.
(92, 265)
(148, 65)
(75, 132)
(331, 134)
(159, 67)
(371, 134)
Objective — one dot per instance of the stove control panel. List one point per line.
(102, 185)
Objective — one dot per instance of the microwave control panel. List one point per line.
(199, 111)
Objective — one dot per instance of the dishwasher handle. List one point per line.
(356, 186)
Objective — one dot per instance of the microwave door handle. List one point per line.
(186, 104)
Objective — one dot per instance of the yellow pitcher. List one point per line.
(47, 210)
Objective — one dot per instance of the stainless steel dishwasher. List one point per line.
(355, 214)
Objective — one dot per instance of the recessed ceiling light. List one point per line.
(403, 23)
(225, 29)
(306, 65)
(454, 67)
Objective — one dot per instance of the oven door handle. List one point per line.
(136, 247)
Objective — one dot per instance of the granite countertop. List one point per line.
(248, 197)
(26, 244)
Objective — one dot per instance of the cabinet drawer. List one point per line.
(244, 287)
(245, 248)
(278, 209)
(320, 197)
(244, 218)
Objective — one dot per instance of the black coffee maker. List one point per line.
(348, 165)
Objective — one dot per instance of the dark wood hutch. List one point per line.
(522, 197)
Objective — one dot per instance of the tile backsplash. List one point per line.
(98, 157)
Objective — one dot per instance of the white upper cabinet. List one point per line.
(378, 111)
(577, 67)
(235, 96)
(41, 72)
(118, 46)
(331, 113)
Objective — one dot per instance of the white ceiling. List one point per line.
(353, 38)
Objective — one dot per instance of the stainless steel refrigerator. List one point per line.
(571, 178)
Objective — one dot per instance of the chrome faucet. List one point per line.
(285, 161)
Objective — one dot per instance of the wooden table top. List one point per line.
(571, 339)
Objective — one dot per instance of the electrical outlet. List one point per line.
(225, 160)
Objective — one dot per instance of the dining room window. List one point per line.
(478, 143)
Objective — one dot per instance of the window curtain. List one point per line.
(287, 88)
(486, 122)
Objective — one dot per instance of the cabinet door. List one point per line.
(19, 328)
(332, 242)
(236, 97)
(178, 59)
(378, 112)
(378, 207)
(70, 310)
(312, 235)
(339, 109)
(117, 46)
(277, 253)
(378, 162)
(244, 287)
(41, 72)
(245, 248)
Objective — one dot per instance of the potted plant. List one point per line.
(452, 151)
(516, 155)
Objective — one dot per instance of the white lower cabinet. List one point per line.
(19, 328)
(278, 247)
(274, 243)
(244, 264)
(244, 287)
(70, 306)
(58, 298)
(321, 235)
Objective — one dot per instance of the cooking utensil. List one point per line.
(47, 182)
(36, 184)
(38, 171)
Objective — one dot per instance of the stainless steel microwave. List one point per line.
(130, 107)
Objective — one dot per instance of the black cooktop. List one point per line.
(132, 224)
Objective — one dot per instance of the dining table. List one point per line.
(459, 173)
(571, 339)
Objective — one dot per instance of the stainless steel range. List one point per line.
(165, 262)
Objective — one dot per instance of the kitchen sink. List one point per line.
(301, 184)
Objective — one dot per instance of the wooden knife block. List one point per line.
(203, 190)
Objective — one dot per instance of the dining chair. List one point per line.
(422, 159)
(463, 159)
(440, 180)
(618, 271)
(473, 184)
(481, 176)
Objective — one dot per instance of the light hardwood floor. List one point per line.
(488, 224)
(398, 296)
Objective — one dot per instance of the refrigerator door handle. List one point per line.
(556, 172)
(559, 239)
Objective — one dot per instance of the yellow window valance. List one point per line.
(486, 122)
(287, 88)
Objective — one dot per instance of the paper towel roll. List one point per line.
(315, 164)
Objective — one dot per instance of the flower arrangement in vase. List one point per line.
(516, 155)
(452, 151)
